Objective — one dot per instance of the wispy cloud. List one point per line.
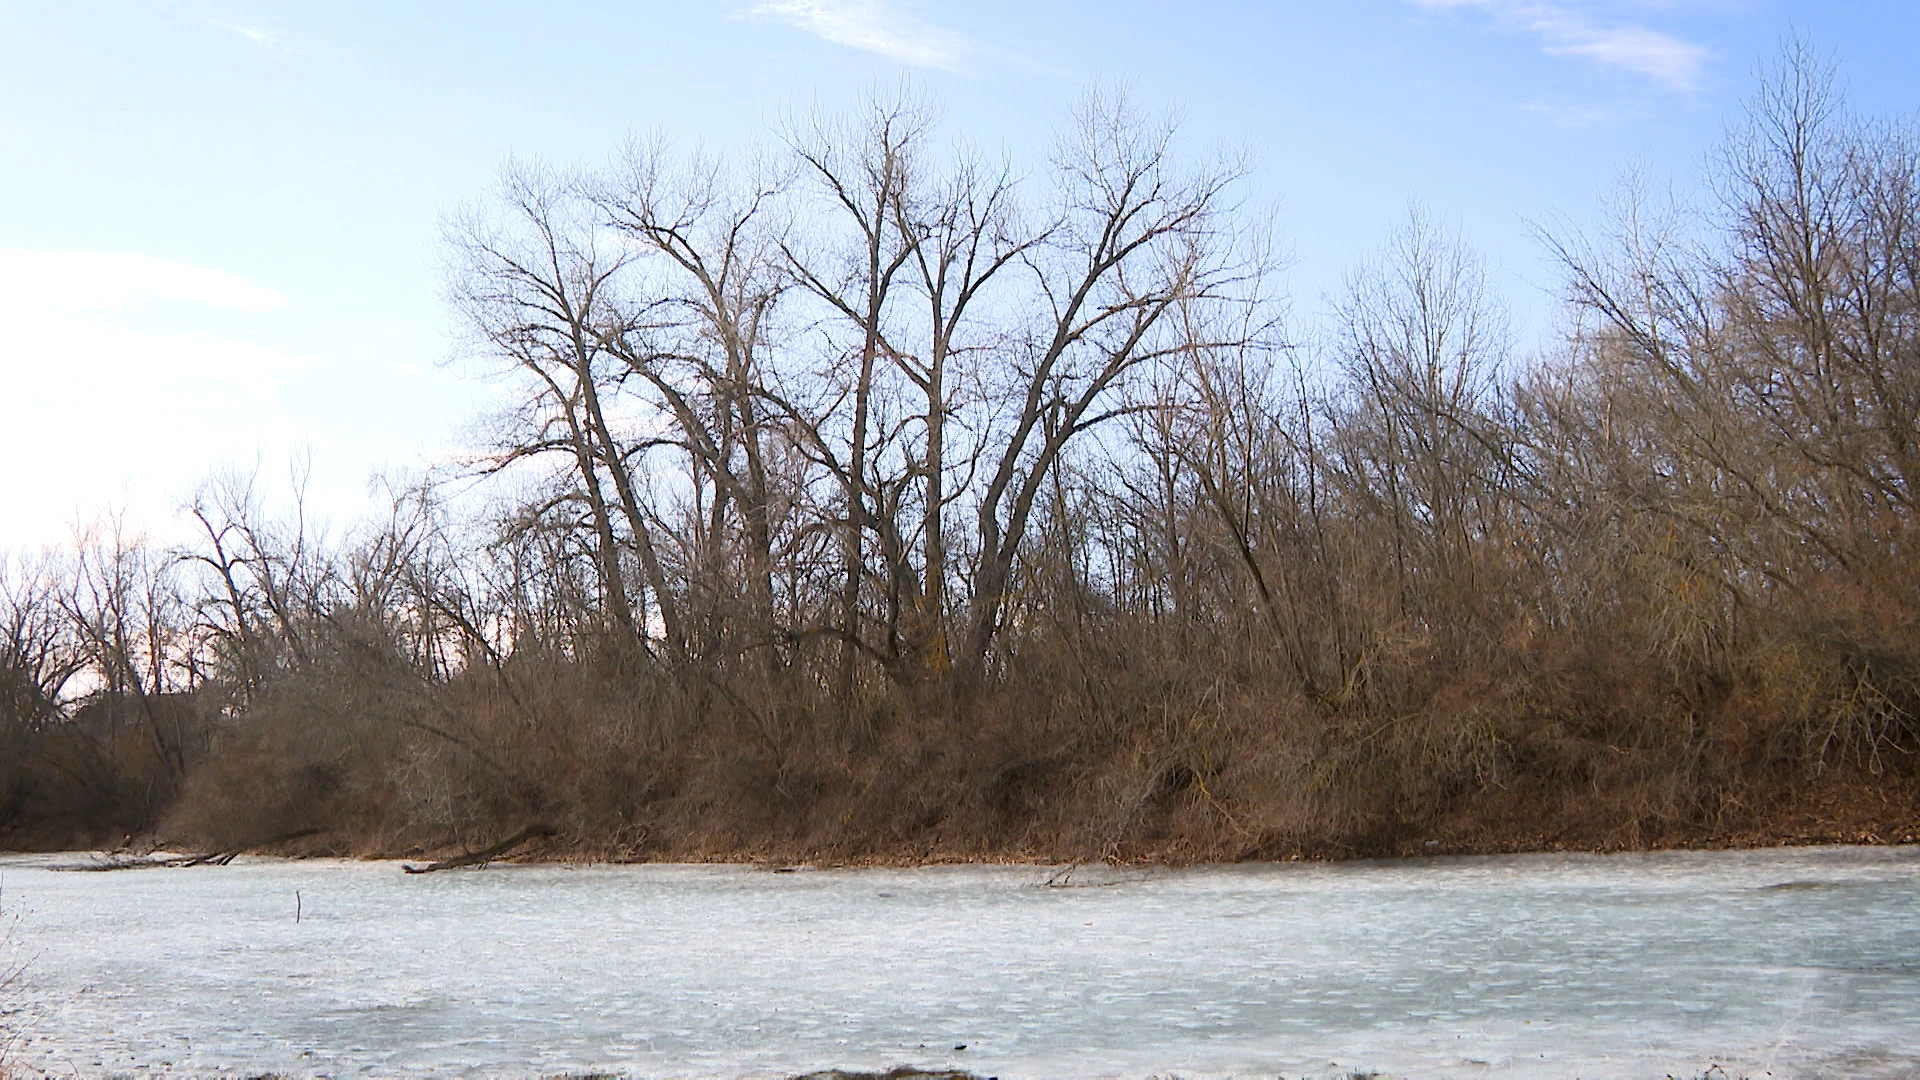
(875, 26)
(1568, 30)
(266, 39)
(69, 281)
(163, 363)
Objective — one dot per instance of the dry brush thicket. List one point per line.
(867, 499)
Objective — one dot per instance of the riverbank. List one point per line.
(1521, 818)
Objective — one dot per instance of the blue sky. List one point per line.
(220, 219)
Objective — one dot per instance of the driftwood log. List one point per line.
(897, 1073)
(479, 858)
(211, 858)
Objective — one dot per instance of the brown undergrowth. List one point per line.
(1140, 758)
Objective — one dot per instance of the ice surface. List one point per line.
(1777, 963)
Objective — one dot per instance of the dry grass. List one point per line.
(11, 969)
(1565, 747)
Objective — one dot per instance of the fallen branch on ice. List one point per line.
(478, 858)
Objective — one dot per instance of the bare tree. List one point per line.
(694, 334)
(1423, 346)
(39, 656)
(542, 292)
(1134, 238)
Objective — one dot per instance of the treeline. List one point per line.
(872, 499)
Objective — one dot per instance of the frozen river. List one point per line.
(1774, 963)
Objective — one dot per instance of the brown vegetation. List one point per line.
(873, 503)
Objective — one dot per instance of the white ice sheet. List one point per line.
(1774, 963)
